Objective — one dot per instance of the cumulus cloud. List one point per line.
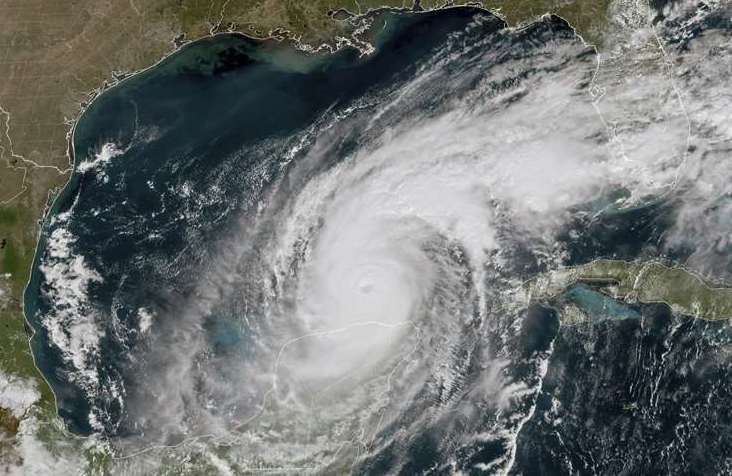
(370, 293)
(17, 394)
(72, 325)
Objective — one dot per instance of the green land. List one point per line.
(55, 57)
(650, 282)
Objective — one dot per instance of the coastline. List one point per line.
(120, 78)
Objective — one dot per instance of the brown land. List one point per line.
(56, 56)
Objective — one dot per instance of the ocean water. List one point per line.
(225, 113)
(312, 260)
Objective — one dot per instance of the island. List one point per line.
(645, 282)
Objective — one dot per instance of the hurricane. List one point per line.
(318, 260)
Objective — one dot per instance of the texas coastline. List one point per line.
(199, 57)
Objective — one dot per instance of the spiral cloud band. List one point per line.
(326, 275)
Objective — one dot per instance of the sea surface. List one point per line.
(148, 152)
(314, 258)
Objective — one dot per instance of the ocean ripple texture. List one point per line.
(312, 262)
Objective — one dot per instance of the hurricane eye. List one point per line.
(438, 245)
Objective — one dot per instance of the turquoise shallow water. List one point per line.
(600, 306)
(159, 315)
(217, 116)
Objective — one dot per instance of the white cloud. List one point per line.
(366, 286)
(17, 394)
(72, 323)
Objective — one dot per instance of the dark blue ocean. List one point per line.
(175, 165)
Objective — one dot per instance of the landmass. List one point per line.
(56, 57)
(649, 282)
